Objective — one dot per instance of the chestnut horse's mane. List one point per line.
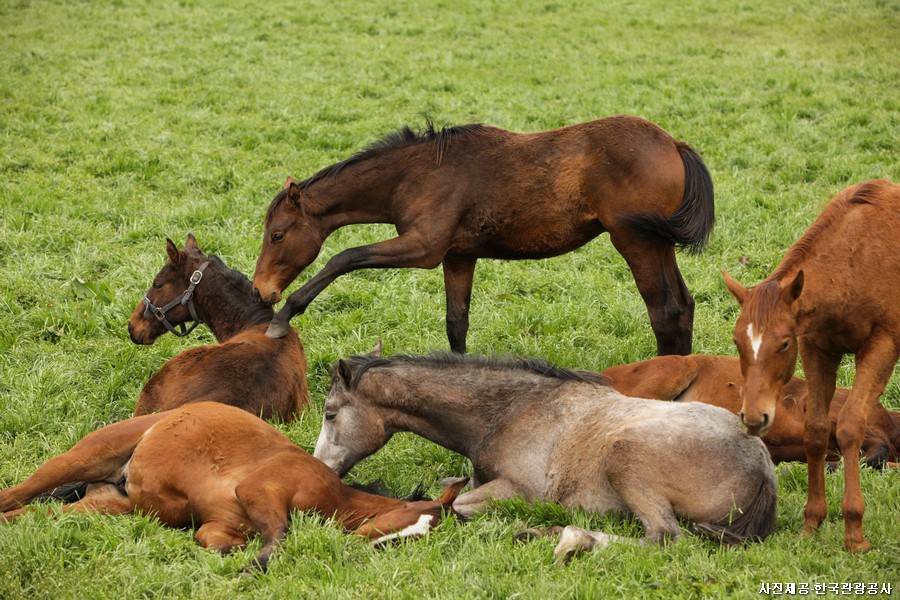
(360, 364)
(768, 291)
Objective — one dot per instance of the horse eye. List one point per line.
(330, 416)
(277, 237)
(157, 285)
(784, 346)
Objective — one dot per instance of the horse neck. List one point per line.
(452, 415)
(355, 507)
(226, 308)
(360, 193)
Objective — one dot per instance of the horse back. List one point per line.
(263, 376)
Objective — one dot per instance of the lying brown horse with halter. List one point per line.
(836, 292)
(223, 469)
(550, 434)
(245, 369)
(718, 380)
(474, 191)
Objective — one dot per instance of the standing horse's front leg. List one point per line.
(874, 366)
(821, 371)
(408, 250)
(458, 275)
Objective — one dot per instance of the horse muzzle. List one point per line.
(756, 424)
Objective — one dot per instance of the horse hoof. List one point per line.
(276, 331)
(572, 541)
(527, 535)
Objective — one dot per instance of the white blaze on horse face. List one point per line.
(419, 528)
(755, 341)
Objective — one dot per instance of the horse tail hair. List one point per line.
(68, 493)
(690, 225)
(754, 523)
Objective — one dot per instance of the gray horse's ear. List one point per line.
(172, 251)
(344, 371)
(376, 351)
(792, 291)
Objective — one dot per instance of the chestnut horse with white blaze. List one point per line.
(245, 369)
(474, 191)
(717, 380)
(835, 292)
(223, 469)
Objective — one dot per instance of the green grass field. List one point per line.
(122, 123)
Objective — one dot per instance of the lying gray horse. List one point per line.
(550, 434)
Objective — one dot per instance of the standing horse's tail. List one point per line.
(754, 523)
(690, 225)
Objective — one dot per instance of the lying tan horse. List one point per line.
(835, 292)
(717, 380)
(235, 475)
(245, 369)
(549, 434)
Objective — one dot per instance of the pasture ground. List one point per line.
(125, 122)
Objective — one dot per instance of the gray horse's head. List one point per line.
(352, 426)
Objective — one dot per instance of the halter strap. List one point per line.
(185, 298)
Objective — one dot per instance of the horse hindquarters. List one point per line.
(101, 455)
(704, 476)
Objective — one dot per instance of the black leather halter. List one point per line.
(185, 298)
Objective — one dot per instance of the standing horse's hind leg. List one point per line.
(669, 303)
(458, 275)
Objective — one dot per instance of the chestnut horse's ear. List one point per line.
(192, 244)
(344, 371)
(172, 251)
(376, 351)
(737, 290)
(792, 290)
(452, 488)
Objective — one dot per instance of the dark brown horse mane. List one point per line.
(261, 311)
(402, 138)
(360, 364)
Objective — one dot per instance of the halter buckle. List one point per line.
(196, 276)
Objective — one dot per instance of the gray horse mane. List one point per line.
(360, 364)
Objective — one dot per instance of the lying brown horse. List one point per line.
(717, 380)
(836, 291)
(474, 191)
(245, 369)
(549, 434)
(218, 466)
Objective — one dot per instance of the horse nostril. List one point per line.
(765, 420)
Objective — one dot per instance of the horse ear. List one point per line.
(376, 351)
(293, 192)
(288, 182)
(172, 251)
(345, 372)
(452, 488)
(792, 291)
(191, 243)
(737, 290)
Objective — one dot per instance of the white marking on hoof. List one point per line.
(419, 528)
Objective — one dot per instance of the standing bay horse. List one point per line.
(245, 369)
(474, 191)
(836, 292)
(717, 380)
(555, 435)
(218, 467)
